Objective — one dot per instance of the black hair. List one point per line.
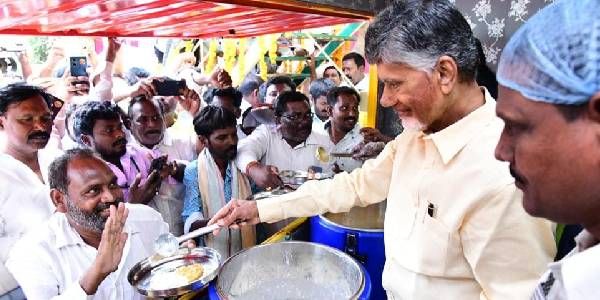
(358, 59)
(281, 80)
(230, 93)
(58, 171)
(249, 84)
(320, 87)
(329, 68)
(89, 112)
(142, 98)
(20, 91)
(212, 118)
(288, 97)
(134, 74)
(332, 96)
(418, 33)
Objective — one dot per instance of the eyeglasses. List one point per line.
(299, 117)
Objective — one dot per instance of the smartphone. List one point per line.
(169, 87)
(78, 66)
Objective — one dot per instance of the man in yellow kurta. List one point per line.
(454, 226)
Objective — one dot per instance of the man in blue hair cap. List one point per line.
(549, 99)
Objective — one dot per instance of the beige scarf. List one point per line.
(211, 185)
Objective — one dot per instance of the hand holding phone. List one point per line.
(168, 87)
(78, 66)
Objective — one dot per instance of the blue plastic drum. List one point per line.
(358, 233)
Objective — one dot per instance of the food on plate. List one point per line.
(191, 272)
(177, 277)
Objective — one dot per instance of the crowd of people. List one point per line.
(83, 144)
(92, 174)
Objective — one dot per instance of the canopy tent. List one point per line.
(167, 18)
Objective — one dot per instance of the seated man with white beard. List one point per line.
(88, 246)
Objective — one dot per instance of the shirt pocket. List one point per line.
(428, 246)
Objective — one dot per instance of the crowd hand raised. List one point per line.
(235, 214)
(367, 150)
(145, 88)
(143, 193)
(72, 86)
(189, 100)
(265, 176)
(220, 79)
(110, 250)
(113, 48)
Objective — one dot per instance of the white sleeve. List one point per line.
(102, 90)
(252, 148)
(35, 276)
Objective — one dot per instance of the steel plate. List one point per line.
(140, 276)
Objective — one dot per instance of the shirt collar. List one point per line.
(312, 139)
(450, 140)
(585, 240)
(353, 132)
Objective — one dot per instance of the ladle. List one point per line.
(323, 156)
(167, 244)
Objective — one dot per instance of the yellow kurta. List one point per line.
(479, 243)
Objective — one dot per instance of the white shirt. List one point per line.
(177, 145)
(240, 133)
(576, 275)
(50, 260)
(24, 203)
(476, 242)
(266, 145)
(346, 145)
(169, 201)
(363, 85)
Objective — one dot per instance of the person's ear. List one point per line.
(255, 96)
(2, 120)
(594, 107)
(203, 140)
(329, 111)
(361, 69)
(59, 200)
(446, 74)
(87, 140)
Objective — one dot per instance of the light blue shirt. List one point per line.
(192, 201)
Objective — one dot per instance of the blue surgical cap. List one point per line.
(555, 56)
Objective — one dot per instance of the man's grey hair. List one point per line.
(417, 33)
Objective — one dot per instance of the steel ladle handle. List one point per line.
(198, 232)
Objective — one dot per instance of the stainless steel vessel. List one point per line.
(290, 270)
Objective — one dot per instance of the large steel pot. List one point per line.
(291, 270)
